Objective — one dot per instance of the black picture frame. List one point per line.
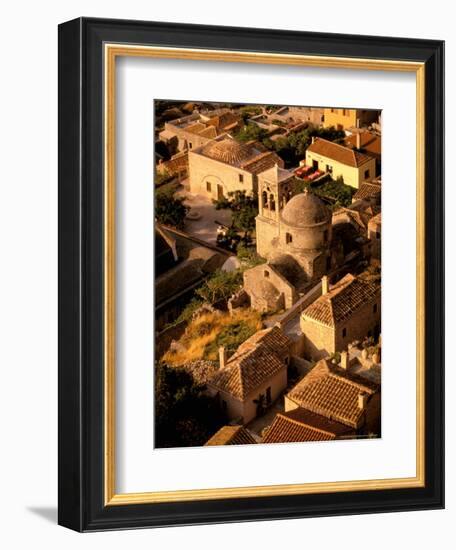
(81, 400)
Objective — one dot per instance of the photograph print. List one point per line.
(267, 274)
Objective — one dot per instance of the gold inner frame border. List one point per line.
(111, 53)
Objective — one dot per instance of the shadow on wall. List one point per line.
(49, 513)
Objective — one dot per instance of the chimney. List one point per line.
(358, 140)
(362, 400)
(324, 285)
(344, 360)
(313, 139)
(223, 357)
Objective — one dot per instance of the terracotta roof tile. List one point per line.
(302, 425)
(333, 392)
(367, 190)
(337, 152)
(231, 435)
(262, 162)
(371, 143)
(342, 300)
(176, 165)
(254, 362)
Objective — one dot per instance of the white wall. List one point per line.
(28, 304)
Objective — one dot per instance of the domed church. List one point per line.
(292, 230)
(294, 233)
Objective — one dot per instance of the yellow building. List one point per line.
(223, 165)
(340, 161)
(343, 119)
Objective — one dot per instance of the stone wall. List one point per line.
(209, 177)
(319, 339)
(364, 321)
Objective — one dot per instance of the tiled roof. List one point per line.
(262, 162)
(367, 190)
(227, 150)
(371, 143)
(337, 152)
(302, 425)
(255, 361)
(342, 300)
(209, 132)
(332, 392)
(177, 164)
(231, 435)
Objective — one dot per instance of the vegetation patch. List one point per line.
(184, 415)
(208, 331)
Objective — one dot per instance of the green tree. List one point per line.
(250, 132)
(184, 415)
(221, 285)
(170, 210)
(244, 208)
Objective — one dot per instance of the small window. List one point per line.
(264, 199)
(329, 169)
(344, 332)
(268, 395)
(241, 178)
(377, 235)
(375, 308)
(271, 202)
(190, 145)
(208, 186)
(366, 174)
(288, 238)
(344, 112)
(266, 273)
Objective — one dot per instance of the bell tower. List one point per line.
(275, 188)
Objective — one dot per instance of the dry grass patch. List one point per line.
(207, 332)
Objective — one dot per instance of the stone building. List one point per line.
(374, 232)
(351, 225)
(346, 311)
(344, 119)
(197, 129)
(339, 161)
(294, 234)
(335, 393)
(224, 165)
(293, 231)
(254, 377)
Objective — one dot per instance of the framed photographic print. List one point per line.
(250, 274)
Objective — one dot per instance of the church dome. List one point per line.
(227, 150)
(304, 210)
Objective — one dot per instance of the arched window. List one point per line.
(271, 202)
(264, 199)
